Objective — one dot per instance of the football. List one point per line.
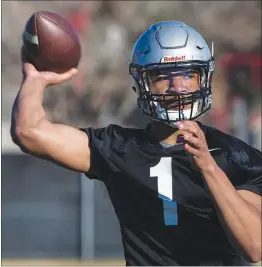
(51, 43)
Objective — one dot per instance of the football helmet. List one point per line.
(165, 59)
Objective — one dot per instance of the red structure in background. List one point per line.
(241, 59)
(79, 19)
(232, 64)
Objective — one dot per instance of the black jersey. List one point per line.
(165, 211)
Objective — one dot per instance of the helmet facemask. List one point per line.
(176, 101)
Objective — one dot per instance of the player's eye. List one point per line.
(160, 78)
(189, 76)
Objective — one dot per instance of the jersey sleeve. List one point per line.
(100, 140)
(247, 162)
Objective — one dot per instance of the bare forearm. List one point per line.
(28, 108)
(241, 219)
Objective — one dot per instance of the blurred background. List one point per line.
(54, 216)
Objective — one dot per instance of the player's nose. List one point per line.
(177, 85)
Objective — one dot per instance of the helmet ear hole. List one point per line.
(134, 89)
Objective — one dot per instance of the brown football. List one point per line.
(51, 43)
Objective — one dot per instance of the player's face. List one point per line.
(174, 82)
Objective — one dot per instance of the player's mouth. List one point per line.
(186, 107)
(175, 104)
(176, 107)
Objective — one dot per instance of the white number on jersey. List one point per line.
(163, 172)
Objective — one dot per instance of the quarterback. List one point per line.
(184, 193)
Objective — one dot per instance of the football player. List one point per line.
(184, 193)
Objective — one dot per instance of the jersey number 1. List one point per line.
(163, 172)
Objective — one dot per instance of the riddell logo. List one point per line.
(172, 59)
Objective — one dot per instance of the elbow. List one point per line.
(250, 250)
(22, 137)
(254, 253)
(254, 258)
(15, 133)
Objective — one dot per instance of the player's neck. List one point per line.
(165, 133)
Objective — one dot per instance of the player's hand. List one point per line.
(196, 145)
(47, 77)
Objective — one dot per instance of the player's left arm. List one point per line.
(239, 210)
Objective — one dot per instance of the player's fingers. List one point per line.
(193, 141)
(67, 75)
(191, 127)
(54, 78)
(191, 150)
(29, 69)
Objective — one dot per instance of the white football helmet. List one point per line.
(172, 47)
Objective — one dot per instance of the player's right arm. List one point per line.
(35, 135)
